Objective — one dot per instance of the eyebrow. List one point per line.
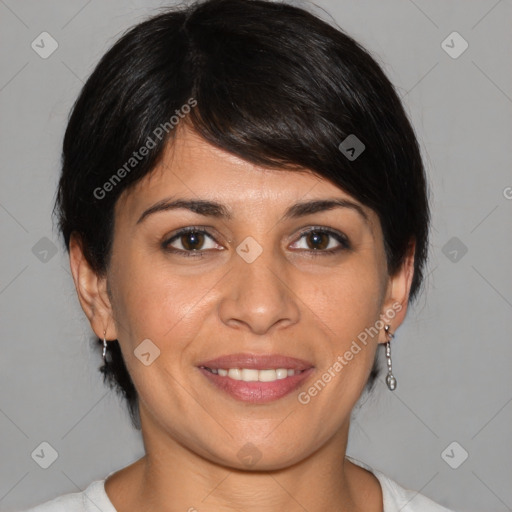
(218, 210)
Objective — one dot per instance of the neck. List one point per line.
(172, 477)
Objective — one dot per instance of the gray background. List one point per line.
(452, 356)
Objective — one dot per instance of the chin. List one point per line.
(261, 454)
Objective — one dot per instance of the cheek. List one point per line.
(156, 302)
(347, 306)
(153, 304)
(348, 297)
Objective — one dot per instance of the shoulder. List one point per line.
(396, 498)
(89, 500)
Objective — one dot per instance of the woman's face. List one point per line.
(259, 283)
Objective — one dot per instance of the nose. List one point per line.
(259, 295)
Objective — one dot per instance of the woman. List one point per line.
(245, 208)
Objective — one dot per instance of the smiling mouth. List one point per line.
(256, 378)
(254, 375)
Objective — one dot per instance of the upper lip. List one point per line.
(256, 362)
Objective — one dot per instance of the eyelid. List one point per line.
(341, 238)
(205, 230)
(324, 229)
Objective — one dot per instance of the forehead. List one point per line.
(193, 168)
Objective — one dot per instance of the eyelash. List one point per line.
(342, 239)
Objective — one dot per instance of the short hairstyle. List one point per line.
(269, 82)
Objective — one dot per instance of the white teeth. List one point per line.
(235, 373)
(282, 373)
(252, 375)
(267, 375)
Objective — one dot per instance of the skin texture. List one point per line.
(285, 302)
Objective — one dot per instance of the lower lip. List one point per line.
(257, 392)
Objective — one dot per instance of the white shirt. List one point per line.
(94, 498)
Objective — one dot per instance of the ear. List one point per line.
(397, 294)
(92, 291)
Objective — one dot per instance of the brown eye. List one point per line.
(189, 242)
(192, 241)
(321, 241)
(317, 240)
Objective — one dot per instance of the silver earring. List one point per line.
(390, 378)
(104, 346)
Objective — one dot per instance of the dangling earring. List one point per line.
(104, 347)
(390, 379)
